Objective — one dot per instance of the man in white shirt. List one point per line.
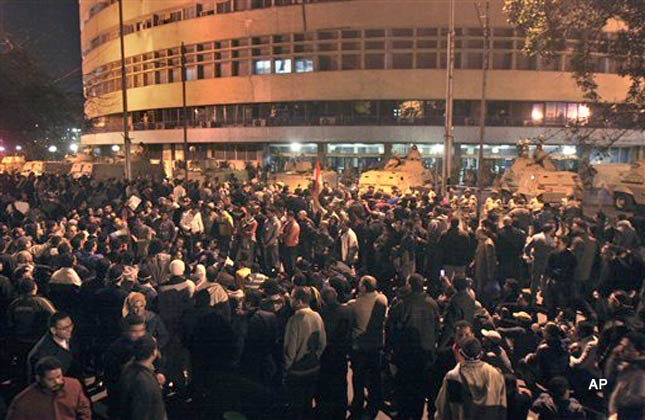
(179, 192)
(193, 227)
(66, 275)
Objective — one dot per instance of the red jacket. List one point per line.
(35, 403)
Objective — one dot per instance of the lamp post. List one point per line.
(124, 95)
(450, 67)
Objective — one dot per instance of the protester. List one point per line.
(52, 396)
(269, 296)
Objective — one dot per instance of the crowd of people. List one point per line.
(239, 298)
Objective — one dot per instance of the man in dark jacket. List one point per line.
(118, 354)
(108, 307)
(557, 404)
(413, 330)
(462, 306)
(59, 344)
(456, 249)
(140, 396)
(510, 245)
(27, 321)
(560, 284)
(332, 386)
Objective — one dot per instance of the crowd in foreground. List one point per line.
(243, 299)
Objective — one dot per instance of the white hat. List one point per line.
(177, 268)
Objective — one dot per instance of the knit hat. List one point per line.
(177, 268)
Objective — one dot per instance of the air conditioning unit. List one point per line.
(259, 122)
(327, 120)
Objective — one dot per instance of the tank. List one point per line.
(10, 164)
(300, 174)
(629, 192)
(539, 178)
(398, 174)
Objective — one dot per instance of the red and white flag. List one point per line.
(317, 179)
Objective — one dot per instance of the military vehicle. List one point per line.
(104, 170)
(629, 192)
(538, 177)
(300, 174)
(214, 169)
(11, 164)
(606, 175)
(400, 174)
(40, 167)
(86, 164)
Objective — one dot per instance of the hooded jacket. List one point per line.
(472, 390)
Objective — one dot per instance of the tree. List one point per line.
(587, 29)
(35, 111)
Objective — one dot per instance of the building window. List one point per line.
(262, 67)
(426, 61)
(502, 61)
(304, 65)
(283, 66)
(327, 63)
(351, 62)
(402, 61)
(375, 61)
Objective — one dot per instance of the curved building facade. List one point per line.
(347, 80)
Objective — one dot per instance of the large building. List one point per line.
(346, 81)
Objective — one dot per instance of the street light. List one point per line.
(73, 147)
(116, 148)
(2, 149)
(53, 149)
(18, 148)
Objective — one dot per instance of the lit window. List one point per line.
(262, 67)
(304, 65)
(283, 66)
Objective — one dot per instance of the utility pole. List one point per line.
(124, 93)
(484, 22)
(450, 69)
(184, 113)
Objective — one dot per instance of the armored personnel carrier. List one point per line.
(41, 167)
(400, 174)
(538, 177)
(300, 174)
(101, 169)
(214, 169)
(10, 164)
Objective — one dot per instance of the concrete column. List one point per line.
(387, 151)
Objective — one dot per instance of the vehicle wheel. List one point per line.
(623, 201)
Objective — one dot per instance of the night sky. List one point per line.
(51, 28)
